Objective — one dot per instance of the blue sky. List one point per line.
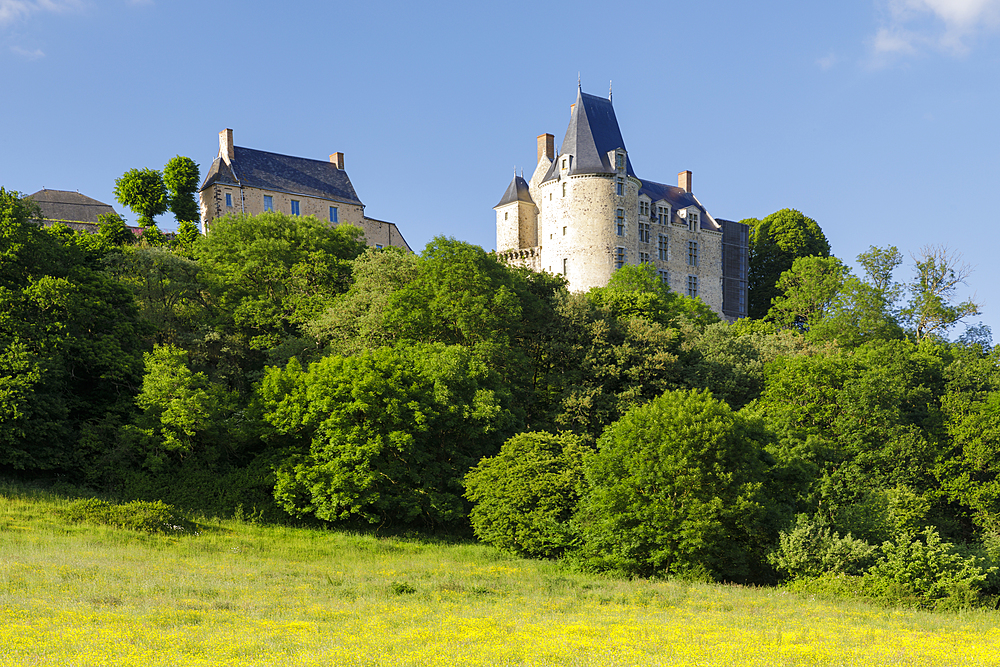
(877, 118)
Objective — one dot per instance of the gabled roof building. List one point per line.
(73, 209)
(585, 213)
(250, 181)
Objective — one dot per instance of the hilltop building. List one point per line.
(249, 181)
(585, 213)
(76, 211)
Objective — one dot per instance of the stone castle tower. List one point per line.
(585, 213)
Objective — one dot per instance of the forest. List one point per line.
(842, 439)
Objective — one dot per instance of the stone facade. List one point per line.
(584, 213)
(248, 181)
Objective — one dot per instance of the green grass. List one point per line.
(232, 593)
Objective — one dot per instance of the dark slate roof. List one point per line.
(676, 197)
(592, 133)
(219, 173)
(283, 173)
(69, 206)
(516, 191)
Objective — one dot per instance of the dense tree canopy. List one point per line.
(775, 242)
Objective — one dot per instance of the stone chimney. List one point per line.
(684, 181)
(226, 151)
(546, 147)
(338, 160)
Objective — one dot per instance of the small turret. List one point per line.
(517, 217)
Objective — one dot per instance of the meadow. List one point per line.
(236, 593)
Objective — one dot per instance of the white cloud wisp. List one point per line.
(945, 25)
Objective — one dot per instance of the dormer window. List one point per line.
(644, 208)
(619, 161)
(565, 161)
(663, 215)
(692, 221)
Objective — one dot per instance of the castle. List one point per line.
(585, 213)
(249, 181)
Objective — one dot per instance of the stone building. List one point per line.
(585, 213)
(249, 181)
(76, 211)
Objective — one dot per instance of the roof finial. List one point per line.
(578, 81)
(609, 89)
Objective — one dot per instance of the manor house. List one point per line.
(250, 181)
(585, 213)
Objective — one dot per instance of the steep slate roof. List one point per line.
(283, 173)
(592, 133)
(677, 198)
(516, 191)
(69, 206)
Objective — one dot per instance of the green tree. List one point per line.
(638, 291)
(931, 310)
(807, 291)
(775, 242)
(677, 487)
(385, 436)
(181, 178)
(525, 496)
(143, 191)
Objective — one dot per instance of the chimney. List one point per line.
(226, 151)
(546, 147)
(338, 160)
(684, 181)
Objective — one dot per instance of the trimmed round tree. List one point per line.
(676, 488)
(526, 495)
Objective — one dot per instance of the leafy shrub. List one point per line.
(139, 515)
(526, 495)
(927, 573)
(811, 549)
(677, 488)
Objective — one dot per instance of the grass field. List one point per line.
(240, 594)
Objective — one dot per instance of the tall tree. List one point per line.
(143, 191)
(181, 177)
(775, 242)
(932, 309)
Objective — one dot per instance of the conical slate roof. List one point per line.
(516, 191)
(593, 132)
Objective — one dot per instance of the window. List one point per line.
(268, 203)
(564, 231)
(692, 253)
(644, 228)
(644, 258)
(295, 207)
(692, 286)
(663, 214)
(378, 246)
(333, 214)
(565, 266)
(564, 189)
(692, 221)
(644, 208)
(505, 216)
(619, 257)
(661, 247)
(620, 222)
(619, 161)
(664, 277)
(229, 199)
(564, 163)
(620, 187)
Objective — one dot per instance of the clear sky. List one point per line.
(877, 118)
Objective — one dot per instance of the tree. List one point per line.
(383, 436)
(806, 291)
(931, 310)
(637, 291)
(181, 178)
(143, 191)
(525, 496)
(677, 487)
(775, 242)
